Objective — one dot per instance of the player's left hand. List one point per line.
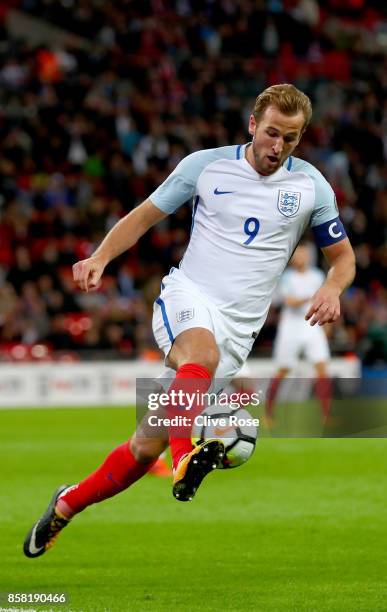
(325, 307)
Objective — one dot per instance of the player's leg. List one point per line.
(183, 329)
(194, 356)
(317, 352)
(323, 388)
(272, 392)
(122, 467)
(285, 351)
(232, 355)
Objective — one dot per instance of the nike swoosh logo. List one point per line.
(221, 431)
(218, 192)
(31, 545)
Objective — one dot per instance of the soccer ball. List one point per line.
(234, 426)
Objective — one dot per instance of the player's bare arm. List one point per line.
(325, 307)
(125, 233)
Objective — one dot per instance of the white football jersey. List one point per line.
(245, 226)
(294, 334)
(301, 285)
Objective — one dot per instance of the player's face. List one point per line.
(275, 137)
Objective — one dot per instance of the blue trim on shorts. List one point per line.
(238, 152)
(290, 163)
(160, 302)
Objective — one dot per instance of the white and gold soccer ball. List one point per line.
(234, 426)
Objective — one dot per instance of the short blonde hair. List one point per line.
(288, 99)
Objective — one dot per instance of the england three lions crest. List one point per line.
(288, 202)
(185, 315)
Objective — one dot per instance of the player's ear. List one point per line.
(252, 125)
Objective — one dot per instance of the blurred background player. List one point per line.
(295, 337)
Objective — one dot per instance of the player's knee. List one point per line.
(282, 372)
(145, 450)
(197, 346)
(321, 369)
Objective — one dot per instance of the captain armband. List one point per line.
(329, 232)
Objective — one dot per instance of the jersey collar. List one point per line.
(261, 177)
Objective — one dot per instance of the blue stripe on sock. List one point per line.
(160, 302)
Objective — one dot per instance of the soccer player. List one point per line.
(251, 204)
(297, 287)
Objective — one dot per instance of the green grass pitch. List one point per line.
(301, 527)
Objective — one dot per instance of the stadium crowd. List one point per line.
(92, 123)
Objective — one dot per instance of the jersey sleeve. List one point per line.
(325, 221)
(180, 185)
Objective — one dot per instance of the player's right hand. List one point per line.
(87, 273)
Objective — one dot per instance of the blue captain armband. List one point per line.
(329, 232)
